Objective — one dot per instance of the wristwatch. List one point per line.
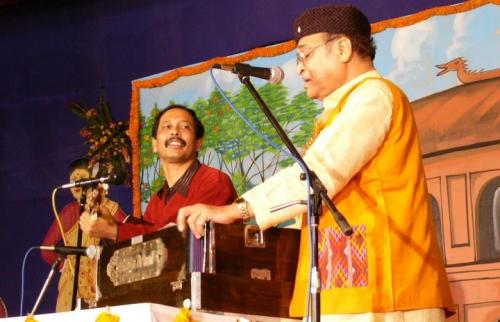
(243, 208)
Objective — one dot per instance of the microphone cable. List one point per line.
(61, 229)
(22, 280)
(286, 152)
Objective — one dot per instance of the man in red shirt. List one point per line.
(177, 137)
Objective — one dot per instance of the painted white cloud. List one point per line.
(226, 80)
(407, 48)
(230, 82)
(188, 89)
(460, 26)
(292, 80)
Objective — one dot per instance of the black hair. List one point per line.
(364, 46)
(82, 163)
(199, 129)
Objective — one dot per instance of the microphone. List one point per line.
(90, 251)
(112, 178)
(273, 75)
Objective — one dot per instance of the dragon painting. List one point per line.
(464, 74)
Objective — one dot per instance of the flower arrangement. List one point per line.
(109, 142)
(107, 316)
(30, 318)
(184, 314)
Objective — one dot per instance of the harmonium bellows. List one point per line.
(234, 268)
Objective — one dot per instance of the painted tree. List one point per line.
(151, 172)
(229, 144)
(233, 147)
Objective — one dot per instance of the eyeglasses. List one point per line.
(303, 57)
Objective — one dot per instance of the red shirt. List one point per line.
(208, 185)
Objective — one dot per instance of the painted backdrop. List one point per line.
(445, 59)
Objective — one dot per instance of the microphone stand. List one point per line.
(83, 200)
(319, 194)
(46, 284)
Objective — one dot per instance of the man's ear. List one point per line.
(344, 47)
(199, 144)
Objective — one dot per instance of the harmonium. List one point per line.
(234, 268)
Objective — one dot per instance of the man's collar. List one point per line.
(182, 185)
(332, 100)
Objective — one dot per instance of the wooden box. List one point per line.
(136, 289)
(244, 270)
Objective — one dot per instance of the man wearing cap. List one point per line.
(366, 151)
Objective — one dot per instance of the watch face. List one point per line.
(242, 207)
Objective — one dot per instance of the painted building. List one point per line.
(460, 135)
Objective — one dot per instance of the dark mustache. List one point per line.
(175, 139)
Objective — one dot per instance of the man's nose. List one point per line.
(174, 131)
